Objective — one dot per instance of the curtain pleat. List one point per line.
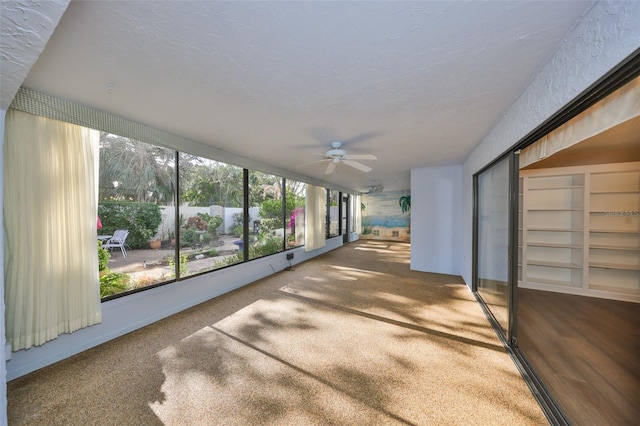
(316, 211)
(357, 210)
(620, 106)
(50, 210)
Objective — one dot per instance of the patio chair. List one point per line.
(117, 240)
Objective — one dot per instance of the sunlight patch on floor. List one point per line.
(317, 279)
(358, 272)
(376, 249)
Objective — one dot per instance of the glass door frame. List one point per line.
(344, 216)
(512, 246)
(624, 72)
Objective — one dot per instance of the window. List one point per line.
(333, 212)
(135, 192)
(295, 212)
(210, 215)
(266, 211)
(178, 226)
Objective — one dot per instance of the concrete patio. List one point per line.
(150, 265)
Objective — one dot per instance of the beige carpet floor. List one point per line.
(352, 337)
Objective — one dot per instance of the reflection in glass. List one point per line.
(582, 344)
(493, 239)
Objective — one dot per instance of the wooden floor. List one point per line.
(587, 353)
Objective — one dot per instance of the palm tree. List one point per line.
(135, 171)
(405, 203)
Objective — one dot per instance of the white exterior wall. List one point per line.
(607, 35)
(436, 199)
(169, 216)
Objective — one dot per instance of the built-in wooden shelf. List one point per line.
(554, 264)
(579, 230)
(608, 265)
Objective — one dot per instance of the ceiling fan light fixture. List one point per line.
(336, 155)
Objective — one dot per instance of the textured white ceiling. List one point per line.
(25, 27)
(416, 83)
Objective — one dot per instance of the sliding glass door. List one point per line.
(492, 240)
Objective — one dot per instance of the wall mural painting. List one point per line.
(386, 216)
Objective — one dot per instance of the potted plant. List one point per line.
(155, 242)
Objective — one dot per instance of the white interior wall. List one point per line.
(607, 35)
(436, 199)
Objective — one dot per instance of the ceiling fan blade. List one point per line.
(357, 165)
(313, 162)
(330, 168)
(360, 157)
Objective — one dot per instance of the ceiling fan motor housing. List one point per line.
(336, 153)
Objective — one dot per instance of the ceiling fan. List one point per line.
(338, 155)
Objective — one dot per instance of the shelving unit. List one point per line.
(580, 230)
(614, 233)
(553, 230)
(520, 222)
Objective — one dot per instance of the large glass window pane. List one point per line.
(295, 214)
(135, 200)
(266, 211)
(493, 240)
(343, 213)
(210, 218)
(334, 216)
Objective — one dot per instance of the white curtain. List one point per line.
(50, 210)
(357, 213)
(620, 106)
(316, 212)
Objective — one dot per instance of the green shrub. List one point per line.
(113, 283)
(103, 257)
(140, 219)
(267, 225)
(205, 239)
(189, 238)
(213, 222)
(184, 269)
(236, 230)
(265, 247)
(271, 211)
(229, 260)
(238, 227)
